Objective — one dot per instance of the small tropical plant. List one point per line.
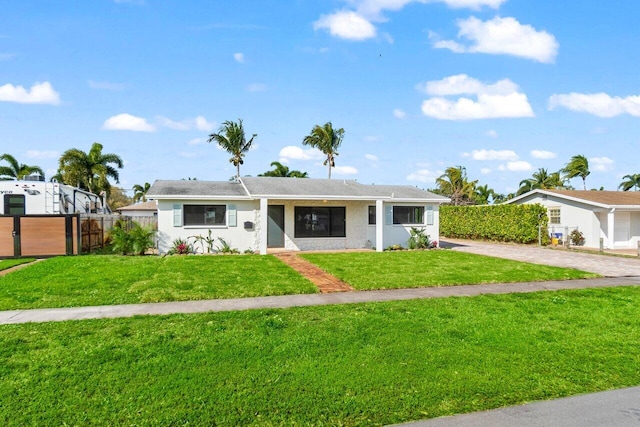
(225, 248)
(576, 238)
(418, 239)
(208, 240)
(180, 247)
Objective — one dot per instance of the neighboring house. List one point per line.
(613, 216)
(293, 213)
(143, 209)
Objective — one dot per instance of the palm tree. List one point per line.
(282, 171)
(483, 193)
(578, 166)
(541, 179)
(231, 138)
(326, 139)
(16, 170)
(140, 192)
(630, 181)
(90, 171)
(454, 184)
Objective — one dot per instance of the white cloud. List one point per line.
(598, 104)
(371, 157)
(39, 93)
(296, 153)
(424, 175)
(485, 171)
(197, 141)
(519, 166)
(601, 164)
(257, 87)
(492, 133)
(37, 154)
(483, 155)
(199, 123)
(498, 100)
(544, 155)
(374, 8)
(399, 114)
(344, 170)
(501, 36)
(460, 84)
(346, 25)
(126, 121)
(239, 57)
(106, 85)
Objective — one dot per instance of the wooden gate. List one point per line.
(39, 235)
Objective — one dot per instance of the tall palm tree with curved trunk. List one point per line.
(454, 184)
(630, 181)
(578, 166)
(326, 139)
(16, 170)
(140, 192)
(90, 171)
(232, 139)
(282, 171)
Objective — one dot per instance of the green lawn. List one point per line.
(361, 364)
(413, 269)
(105, 280)
(8, 263)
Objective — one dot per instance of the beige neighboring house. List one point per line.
(143, 209)
(296, 214)
(613, 216)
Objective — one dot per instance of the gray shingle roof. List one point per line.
(193, 189)
(290, 188)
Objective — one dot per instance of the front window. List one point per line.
(408, 214)
(320, 222)
(205, 214)
(554, 215)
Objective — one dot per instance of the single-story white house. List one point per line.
(613, 216)
(142, 209)
(295, 214)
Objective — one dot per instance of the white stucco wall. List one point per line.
(398, 234)
(237, 237)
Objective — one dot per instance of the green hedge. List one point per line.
(503, 223)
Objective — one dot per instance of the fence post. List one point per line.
(602, 244)
(567, 242)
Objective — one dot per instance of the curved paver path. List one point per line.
(606, 265)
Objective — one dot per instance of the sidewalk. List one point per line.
(286, 301)
(617, 408)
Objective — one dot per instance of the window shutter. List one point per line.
(177, 215)
(429, 215)
(388, 215)
(233, 215)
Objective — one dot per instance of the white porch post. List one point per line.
(264, 223)
(379, 226)
(611, 223)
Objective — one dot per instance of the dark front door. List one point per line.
(275, 227)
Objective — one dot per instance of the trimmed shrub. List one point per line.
(502, 223)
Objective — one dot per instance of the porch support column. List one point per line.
(611, 224)
(264, 223)
(379, 226)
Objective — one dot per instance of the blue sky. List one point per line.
(502, 87)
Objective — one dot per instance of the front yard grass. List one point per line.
(108, 279)
(413, 269)
(360, 364)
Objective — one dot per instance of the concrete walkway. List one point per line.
(614, 408)
(606, 265)
(286, 301)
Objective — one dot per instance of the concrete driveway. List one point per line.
(606, 265)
